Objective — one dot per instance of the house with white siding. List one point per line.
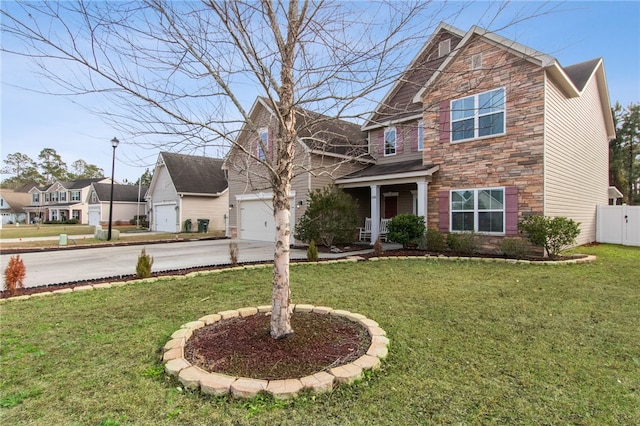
(186, 189)
(128, 202)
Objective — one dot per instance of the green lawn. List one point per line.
(471, 343)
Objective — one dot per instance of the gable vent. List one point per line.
(444, 47)
(476, 61)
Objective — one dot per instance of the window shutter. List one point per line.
(443, 211)
(413, 137)
(269, 144)
(381, 143)
(399, 140)
(511, 210)
(444, 122)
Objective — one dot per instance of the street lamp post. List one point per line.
(114, 144)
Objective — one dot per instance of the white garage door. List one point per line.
(94, 216)
(165, 218)
(256, 220)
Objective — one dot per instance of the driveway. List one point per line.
(63, 266)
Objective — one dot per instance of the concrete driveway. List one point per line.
(63, 266)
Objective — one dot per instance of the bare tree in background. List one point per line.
(184, 72)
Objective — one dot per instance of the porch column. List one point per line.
(421, 196)
(375, 212)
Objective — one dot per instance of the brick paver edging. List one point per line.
(195, 378)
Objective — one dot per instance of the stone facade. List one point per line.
(513, 159)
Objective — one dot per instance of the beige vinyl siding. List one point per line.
(576, 157)
(212, 208)
(163, 189)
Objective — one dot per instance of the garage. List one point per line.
(94, 215)
(165, 219)
(256, 220)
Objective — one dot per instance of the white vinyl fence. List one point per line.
(618, 225)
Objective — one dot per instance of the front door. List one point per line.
(390, 207)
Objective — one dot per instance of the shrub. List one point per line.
(377, 248)
(234, 253)
(405, 229)
(14, 274)
(515, 248)
(330, 217)
(435, 240)
(312, 252)
(553, 234)
(143, 267)
(463, 242)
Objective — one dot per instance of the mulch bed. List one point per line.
(243, 347)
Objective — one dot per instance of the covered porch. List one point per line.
(386, 190)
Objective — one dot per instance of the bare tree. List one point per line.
(184, 71)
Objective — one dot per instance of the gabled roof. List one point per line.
(398, 170)
(412, 80)
(122, 193)
(193, 174)
(80, 183)
(571, 80)
(16, 200)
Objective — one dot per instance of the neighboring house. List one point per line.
(504, 132)
(128, 202)
(12, 204)
(60, 201)
(328, 147)
(187, 187)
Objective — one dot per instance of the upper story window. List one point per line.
(420, 135)
(94, 197)
(264, 138)
(478, 210)
(390, 141)
(478, 116)
(75, 195)
(63, 196)
(35, 198)
(47, 197)
(54, 197)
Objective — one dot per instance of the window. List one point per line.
(420, 135)
(264, 137)
(47, 197)
(63, 196)
(94, 197)
(390, 141)
(75, 195)
(478, 116)
(478, 210)
(35, 198)
(54, 197)
(444, 47)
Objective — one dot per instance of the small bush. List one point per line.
(143, 267)
(553, 234)
(234, 253)
(14, 274)
(435, 240)
(312, 252)
(377, 248)
(515, 248)
(405, 229)
(463, 242)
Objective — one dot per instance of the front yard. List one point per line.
(471, 343)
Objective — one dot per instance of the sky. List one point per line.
(574, 32)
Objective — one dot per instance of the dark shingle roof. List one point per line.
(389, 169)
(126, 193)
(194, 174)
(79, 183)
(580, 73)
(16, 200)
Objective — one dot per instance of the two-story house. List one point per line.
(502, 131)
(478, 132)
(61, 201)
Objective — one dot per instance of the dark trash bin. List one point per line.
(203, 225)
(187, 225)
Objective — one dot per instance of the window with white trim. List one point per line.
(54, 197)
(35, 198)
(264, 137)
(420, 135)
(478, 116)
(63, 196)
(75, 195)
(390, 141)
(94, 197)
(478, 210)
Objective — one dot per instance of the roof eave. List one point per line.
(387, 177)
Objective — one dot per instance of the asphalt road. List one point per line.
(63, 266)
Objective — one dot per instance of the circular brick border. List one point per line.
(195, 378)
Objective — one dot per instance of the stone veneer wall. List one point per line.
(515, 159)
